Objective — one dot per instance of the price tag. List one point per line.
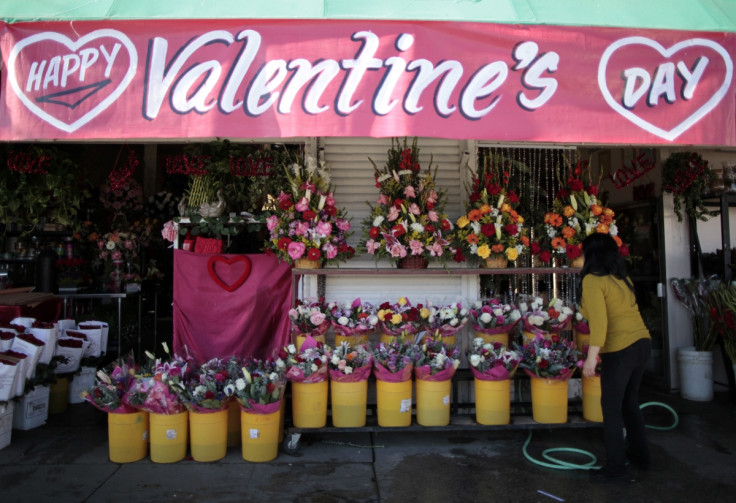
(446, 399)
(171, 434)
(405, 405)
(254, 433)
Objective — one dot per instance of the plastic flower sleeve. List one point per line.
(359, 374)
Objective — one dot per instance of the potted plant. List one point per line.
(41, 184)
(722, 310)
(686, 175)
(696, 361)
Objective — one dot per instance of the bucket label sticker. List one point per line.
(405, 405)
(145, 435)
(254, 433)
(36, 408)
(446, 399)
(171, 434)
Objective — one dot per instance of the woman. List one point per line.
(619, 336)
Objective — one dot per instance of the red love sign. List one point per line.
(229, 262)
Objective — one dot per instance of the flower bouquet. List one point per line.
(445, 322)
(307, 364)
(722, 309)
(400, 319)
(350, 363)
(550, 358)
(118, 254)
(6, 339)
(110, 386)
(258, 385)
(436, 361)
(492, 229)
(150, 389)
(352, 321)
(540, 320)
(394, 361)
(309, 318)
(206, 388)
(576, 213)
(493, 320)
(408, 223)
(492, 361)
(305, 223)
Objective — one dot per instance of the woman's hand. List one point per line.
(589, 366)
(591, 361)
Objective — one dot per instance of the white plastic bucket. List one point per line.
(696, 374)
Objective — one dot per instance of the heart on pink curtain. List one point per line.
(227, 278)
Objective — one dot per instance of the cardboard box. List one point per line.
(32, 409)
(6, 423)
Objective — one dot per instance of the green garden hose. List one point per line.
(559, 464)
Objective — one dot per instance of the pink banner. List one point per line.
(289, 78)
(213, 319)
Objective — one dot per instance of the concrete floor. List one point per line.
(66, 460)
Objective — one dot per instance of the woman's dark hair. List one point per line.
(602, 258)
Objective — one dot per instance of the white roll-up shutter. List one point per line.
(352, 175)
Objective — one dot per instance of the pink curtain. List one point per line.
(211, 321)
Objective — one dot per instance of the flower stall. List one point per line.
(456, 160)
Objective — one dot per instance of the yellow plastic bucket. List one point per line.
(389, 339)
(208, 435)
(349, 403)
(127, 436)
(309, 404)
(169, 436)
(353, 340)
(549, 400)
(282, 408)
(491, 338)
(301, 338)
(233, 423)
(592, 399)
(393, 402)
(260, 436)
(433, 402)
(492, 402)
(581, 340)
(59, 396)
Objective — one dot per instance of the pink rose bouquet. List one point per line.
(306, 223)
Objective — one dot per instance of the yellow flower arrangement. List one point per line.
(492, 225)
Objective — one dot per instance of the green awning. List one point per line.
(706, 15)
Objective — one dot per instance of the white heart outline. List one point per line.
(695, 116)
(73, 46)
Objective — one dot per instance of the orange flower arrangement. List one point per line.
(576, 213)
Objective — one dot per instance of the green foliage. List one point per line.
(215, 227)
(56, 194)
